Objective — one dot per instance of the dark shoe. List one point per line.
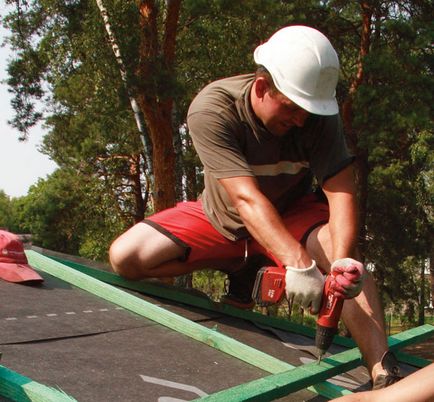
(239, 285)
(391, 365)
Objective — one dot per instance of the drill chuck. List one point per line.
(324, 338)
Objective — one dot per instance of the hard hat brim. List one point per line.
(322, 107)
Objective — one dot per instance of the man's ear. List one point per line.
(261, 87)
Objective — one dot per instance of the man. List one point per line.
(262, 139)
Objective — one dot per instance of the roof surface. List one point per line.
(93, 350)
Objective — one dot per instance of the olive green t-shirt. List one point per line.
(231, 142)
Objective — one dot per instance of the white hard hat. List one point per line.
(304, 67)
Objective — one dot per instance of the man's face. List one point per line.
(279, 114)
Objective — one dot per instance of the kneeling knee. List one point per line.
(122, 261)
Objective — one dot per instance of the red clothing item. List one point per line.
(187, 225)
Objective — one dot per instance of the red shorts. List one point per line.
(187, 225)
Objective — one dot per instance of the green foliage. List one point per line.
(394, 119)
(210, 282)
(48, 213)
(68, 213)
(7, 213)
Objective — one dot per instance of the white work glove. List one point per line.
(305, 286)
(348, 277)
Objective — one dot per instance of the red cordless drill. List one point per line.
(269, 288)
(328, 318)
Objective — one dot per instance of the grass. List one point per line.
(398, 323)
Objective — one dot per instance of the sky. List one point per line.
(21, 164)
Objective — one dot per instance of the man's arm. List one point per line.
(303, 280)
(343, 228)
(264, 222)
(340, 191)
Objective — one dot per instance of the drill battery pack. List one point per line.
(269, 286)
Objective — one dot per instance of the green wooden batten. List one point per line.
(412, 360)
(278, 385)
(174, 321)
(187, 297)
(19, 388)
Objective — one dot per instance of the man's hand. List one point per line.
(305, 286)
(348, 277)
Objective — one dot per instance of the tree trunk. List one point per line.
(156, 104)
(422, 302)
(125, 78)
(192, 186)
(139, 212)
(180, 166)
(361, 162)
(431, 272)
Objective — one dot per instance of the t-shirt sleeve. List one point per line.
(329, 153)
(216, 143)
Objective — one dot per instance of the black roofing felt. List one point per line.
(93, 350)
(63, 337)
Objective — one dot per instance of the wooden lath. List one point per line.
(17, 387)
(278, 385)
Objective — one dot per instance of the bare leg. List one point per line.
(417, 387)
(144, 252)
(363, 315)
